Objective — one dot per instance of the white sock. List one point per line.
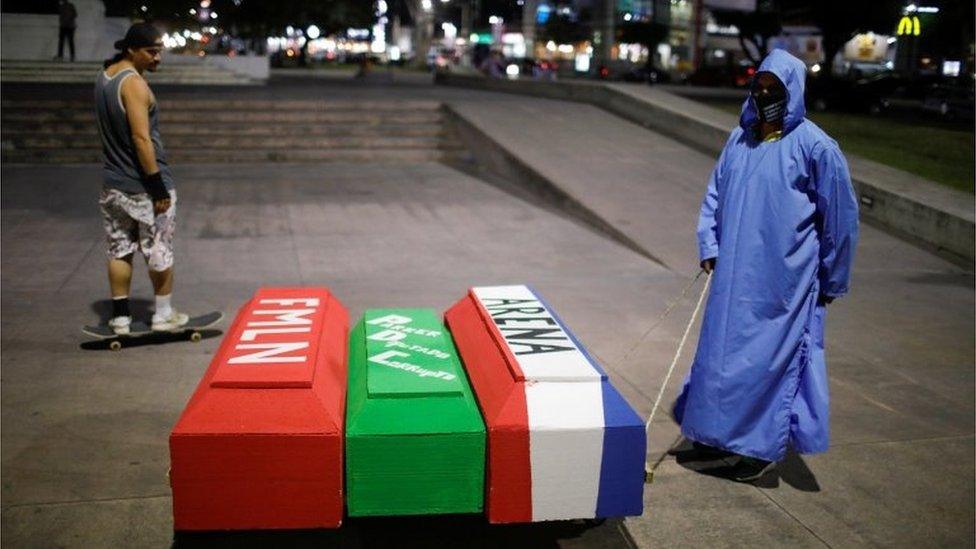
(163, 307)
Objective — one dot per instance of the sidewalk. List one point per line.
(84, 432)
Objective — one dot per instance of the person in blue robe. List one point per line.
(777, 231)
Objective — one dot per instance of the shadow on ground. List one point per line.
(140, 309)
(443, 531)
(154, 338)
(792, 470)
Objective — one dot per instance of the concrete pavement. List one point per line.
(84, 432)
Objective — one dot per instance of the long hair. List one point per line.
(114, 59)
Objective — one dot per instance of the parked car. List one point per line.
(539, 69)
(630, 72)
(647, 74)
(869, 94)
(950, 100)
(737, 75)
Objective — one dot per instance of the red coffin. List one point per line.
(260, 443)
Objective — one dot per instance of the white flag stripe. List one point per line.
(565, 448)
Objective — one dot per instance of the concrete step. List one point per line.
(88, 78)
(64, 72)
(237, 104)
(13, 130)
(94, 156)
(232, 142)
(13, 116)
(168, 62)
(209, 130)
(67, 68)
(31, 63)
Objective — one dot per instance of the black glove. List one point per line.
(155, 187)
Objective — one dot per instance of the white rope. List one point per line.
(660, 319)
(677, 355)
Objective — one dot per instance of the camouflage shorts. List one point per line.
(130, 225)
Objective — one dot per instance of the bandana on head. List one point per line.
(139, 35)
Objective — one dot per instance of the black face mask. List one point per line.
(770, 103)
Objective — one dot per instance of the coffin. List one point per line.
(260, 443)
(562, 442)
(415, 439)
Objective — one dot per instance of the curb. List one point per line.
(916, 209)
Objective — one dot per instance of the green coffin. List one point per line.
(415, 441)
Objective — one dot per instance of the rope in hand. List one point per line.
(649, 472)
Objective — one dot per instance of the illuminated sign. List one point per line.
(480, 38)
(909, 26)
(542, 13)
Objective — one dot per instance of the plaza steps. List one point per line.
(206, 130)
(83, 72)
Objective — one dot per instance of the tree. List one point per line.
(949, 33)
(422, 13)
(755, 28)
(840, 20)
(257, 18)
(646, 33)
(328, 15)
(563, 29)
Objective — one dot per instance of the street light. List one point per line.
(313, 32)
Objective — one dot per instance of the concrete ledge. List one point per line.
(506, 163)
(920, 210)
(254, 67)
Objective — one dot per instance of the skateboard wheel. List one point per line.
(195, 337)
(115, 345)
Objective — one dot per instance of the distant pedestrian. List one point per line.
(494, 65)
(67, 16)
(778, 228)
(138, 199)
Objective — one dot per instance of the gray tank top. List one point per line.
(122, 170)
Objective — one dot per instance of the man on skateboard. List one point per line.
(138, 198)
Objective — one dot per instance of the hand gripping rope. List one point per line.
(649, 469)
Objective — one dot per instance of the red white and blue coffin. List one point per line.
(260, 443)
(562, 442)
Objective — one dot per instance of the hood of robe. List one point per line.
(792, 73)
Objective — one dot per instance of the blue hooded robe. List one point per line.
(781, 219)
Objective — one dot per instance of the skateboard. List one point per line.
(140, 329)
